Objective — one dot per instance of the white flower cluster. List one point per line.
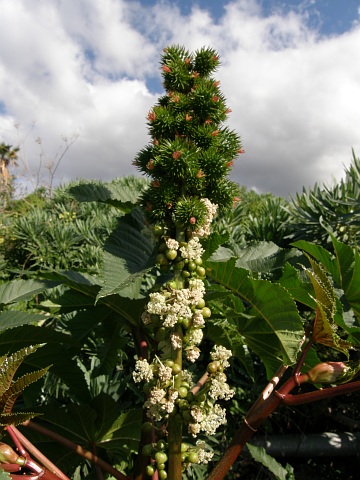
(210, 419)
(204, 231)
(207, 416)
(221, 354)
(143, 371)
(170, 306)
(219, 389)
(160, 403)
(192, 353)
(193, 249)
(204, 456)
(172, 244)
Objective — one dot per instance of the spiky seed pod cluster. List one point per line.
(191, 152)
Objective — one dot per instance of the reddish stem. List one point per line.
(77, 449)
(322, 394)
(16, 434)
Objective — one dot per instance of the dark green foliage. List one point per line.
(322, 211)
(65, 233)
(254, 218)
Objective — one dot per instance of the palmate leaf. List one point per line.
(264, 257)
(324, 330)
(113, 424)
(273, 311)
(101, 423)
(88, 287)
(128, 255)
(225, 331)
(65, 366)
(25, 335)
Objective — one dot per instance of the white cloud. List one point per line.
(80, 68)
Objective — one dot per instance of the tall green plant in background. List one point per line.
(322, 211)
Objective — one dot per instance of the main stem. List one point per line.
(175, 422)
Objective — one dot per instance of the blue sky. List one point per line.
(87, 71)
(329, 16)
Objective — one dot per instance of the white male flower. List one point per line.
(194, 336)
(143, 371)
(176, 340)
(204, 230)
(192, 249)
(169, 405)
(172, 244)
(170, 320)
(204, 456)
(198, 319)
(192, 354)
(220, 390)
(213, 419)
(164, 373)
(194, 429)
(221, 354)
(157, 304)
(197, 413)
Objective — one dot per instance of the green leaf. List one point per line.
(11, 318)
(26, 335)
(16, 418)
(127, 257)
(264, 257)
(348, 265)
(212, 243)
(113, 424)
(75, 422)
(10, 364)
(63, 365)
(324, 330)
(9, 397)
(123, 193)
(259, 454)
(300, 290)
(101, 423)
(88, 288)
(19, 290)
(320, 254)
(4, 475)
(273, 310)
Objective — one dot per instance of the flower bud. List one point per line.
(327, 372)
(7, 455)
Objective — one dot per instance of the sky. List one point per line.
(78, 77)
